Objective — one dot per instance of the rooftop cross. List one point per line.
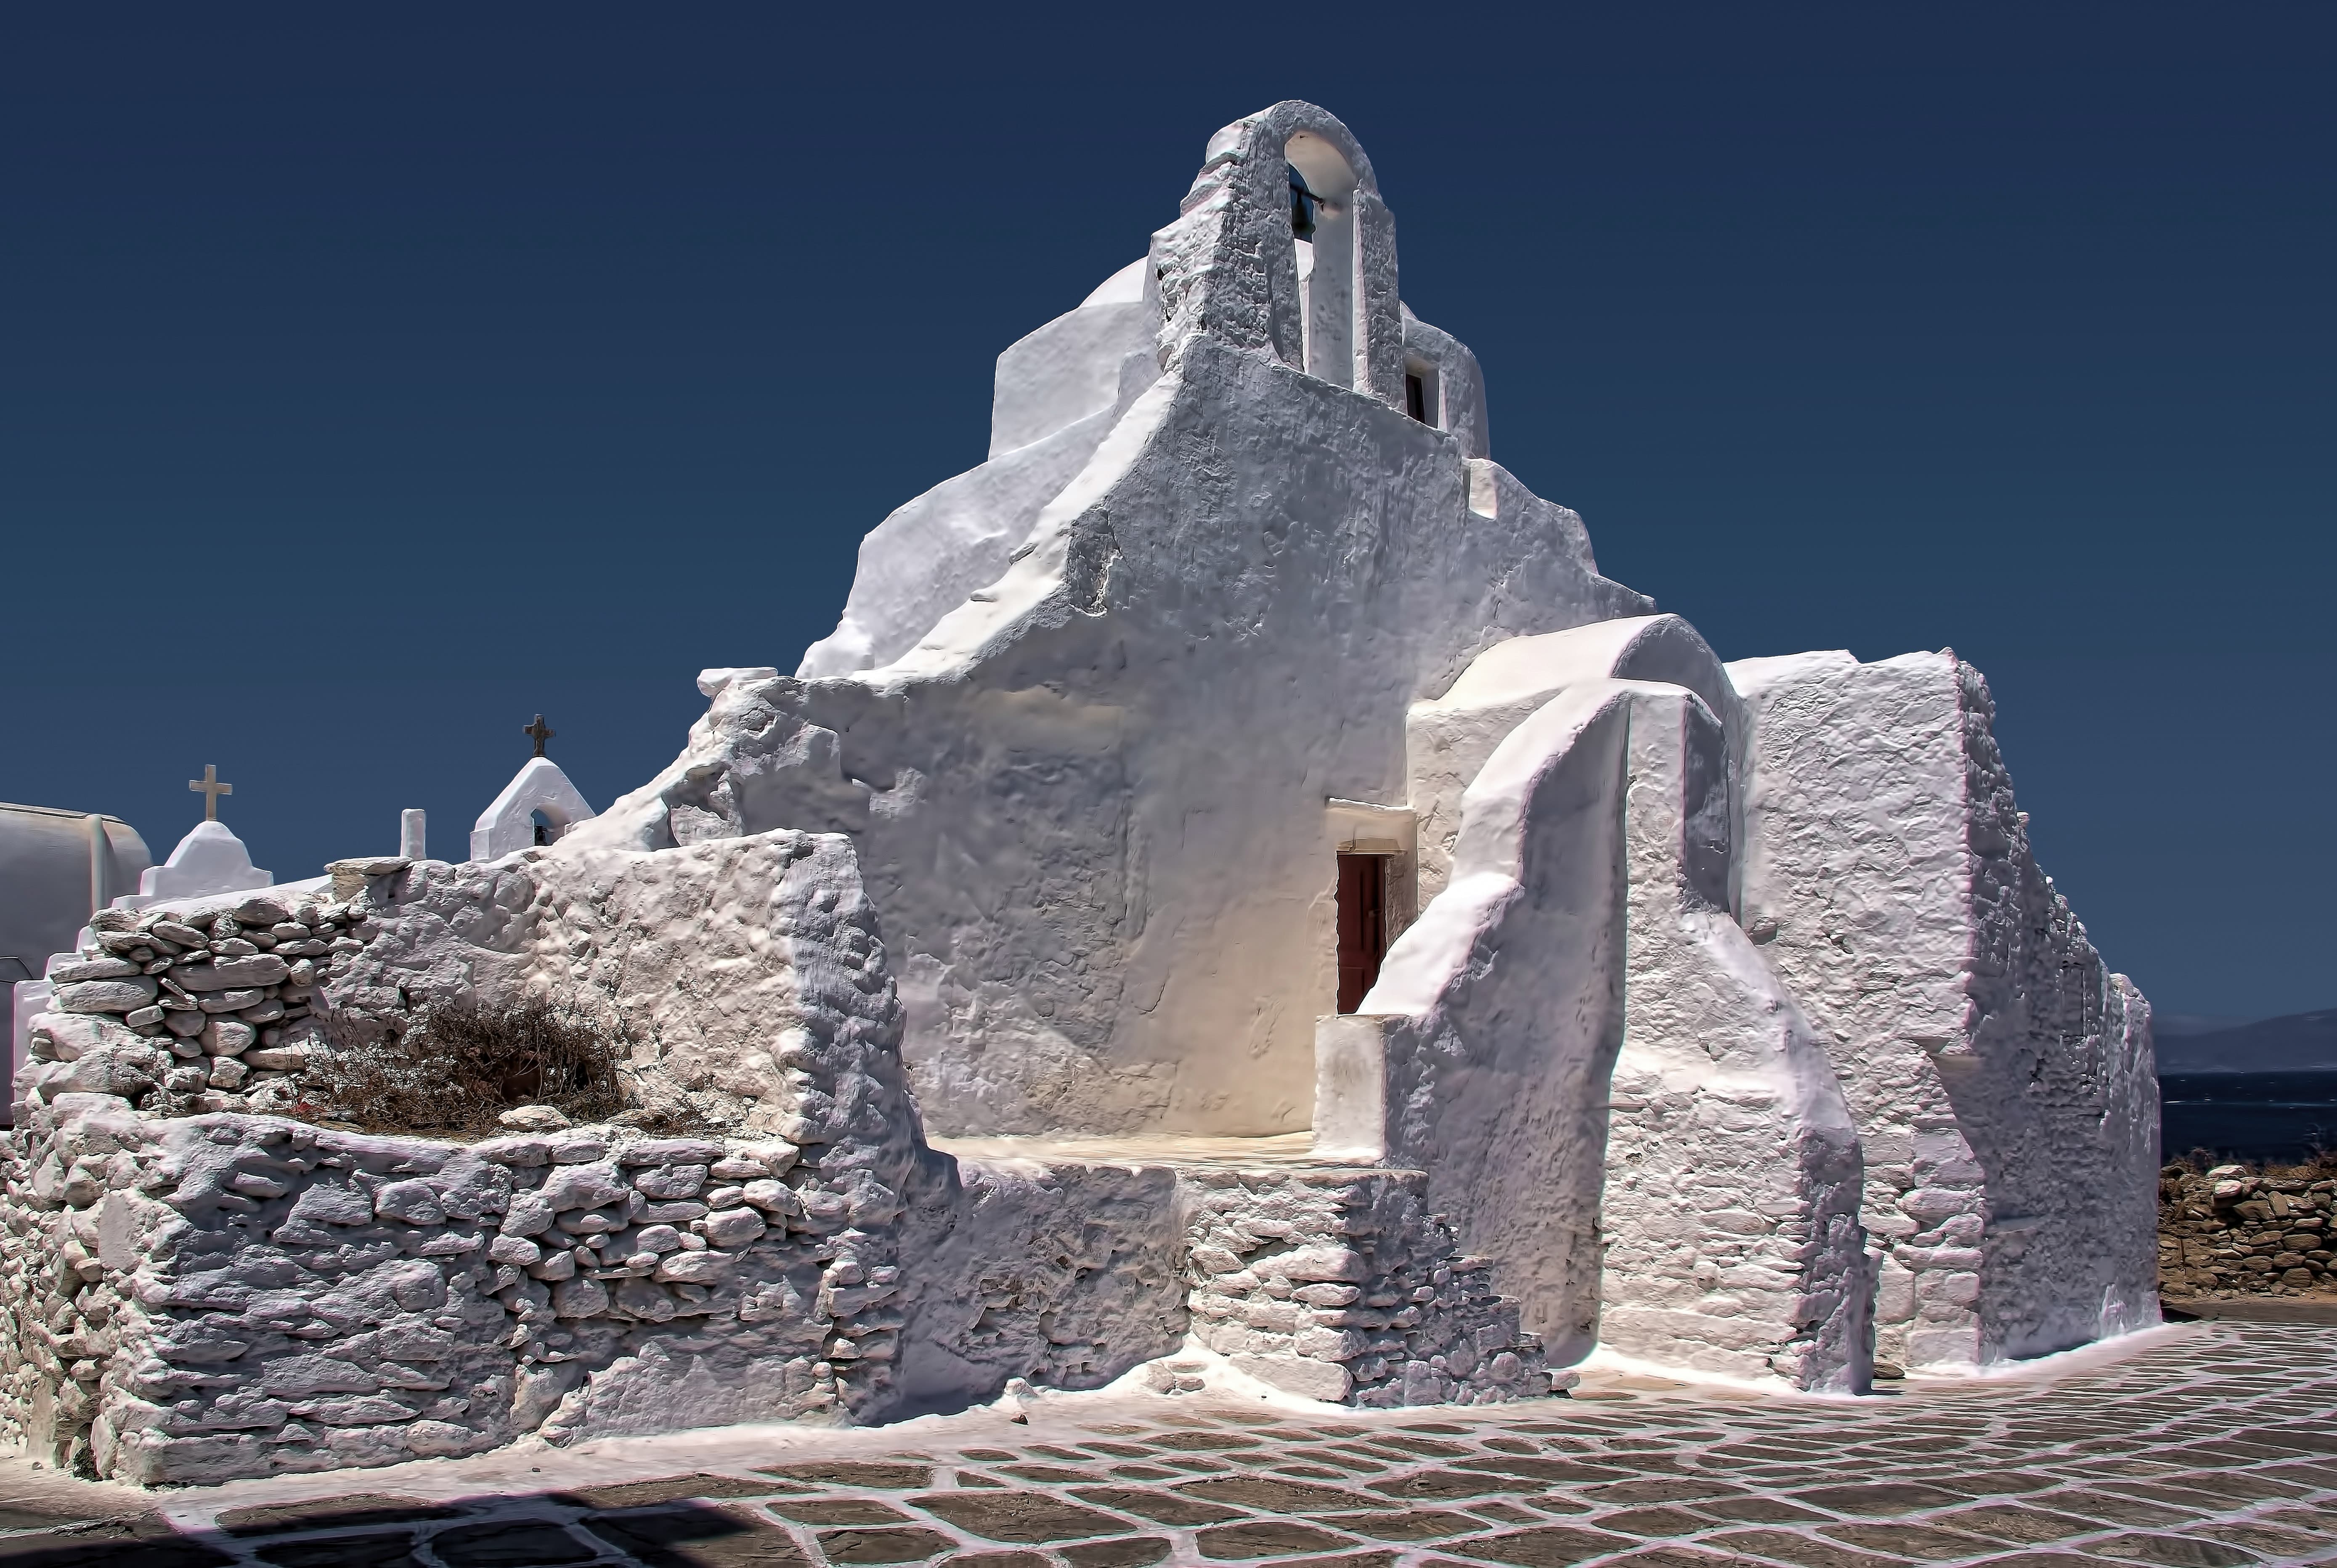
(211, 789)
(540, 731)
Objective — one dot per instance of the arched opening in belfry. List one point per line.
(1322, 227)
(1303, 205)
(546, 830)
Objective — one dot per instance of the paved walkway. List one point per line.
(2205, 1444)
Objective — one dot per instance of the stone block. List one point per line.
(1309, 1379)
(115, 995)
(415, 1202)
(1329, 1344)
(227, 1036)
(83, 970)
(1317, 1263)
(579, 1299)
(233, 974)
(441, 1439)
(694, 1268)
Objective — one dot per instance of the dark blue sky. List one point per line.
(371, 384)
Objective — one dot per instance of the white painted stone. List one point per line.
(1448, 739)
(508, 824)
(1092, 793)
(1050, 825)
(1564, 1128)
(1296, 1374)
(209, 860)
(1722, 1100)
(2002, 1077)
(1059, 393)
(32, 999)
(413, 834)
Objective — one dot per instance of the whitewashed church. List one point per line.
(1236, 828)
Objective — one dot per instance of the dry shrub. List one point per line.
(2319, 1164)
(466, 1063)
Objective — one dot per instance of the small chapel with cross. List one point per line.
(209, 860)
(538, 807)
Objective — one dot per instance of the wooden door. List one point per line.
(1363, 926)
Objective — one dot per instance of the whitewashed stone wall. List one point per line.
(198, 1297)
(1733, 1167)
(1059, 393)
(1610, 1091)
(219, 1296)
(242, 1295)
(1449, 738)
(2000, 1075)
(1717, 972)
(1066, 1274)
(1086, 721)
(1503, 1010)
(1089, 794)
(1340, 1284)
(730, 971)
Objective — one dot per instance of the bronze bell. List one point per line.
(1302, 206)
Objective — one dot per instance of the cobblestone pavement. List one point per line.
(2212, 1444)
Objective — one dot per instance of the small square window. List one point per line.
(1420, 399)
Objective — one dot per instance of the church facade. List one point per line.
(1245, 623)
(1234, 843)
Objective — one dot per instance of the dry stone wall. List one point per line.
(222, 1295)
(204, 1006)
(1341, 1285)
(744, 980)
(196, 1297)
(197, 1292)
(2232, 1232)
(199, 1298)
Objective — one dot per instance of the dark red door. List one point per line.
(1363, 926)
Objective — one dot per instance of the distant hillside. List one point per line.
(2166, 1025)
(2298, 1042)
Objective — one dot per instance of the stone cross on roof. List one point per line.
(540, 731)
(211, 789)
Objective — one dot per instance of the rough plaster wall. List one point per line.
(1101, 926)
(1228, 267)
(1447, 739)
(1060, 391)
(719, 959)
(1505, 1004)
(1341, 1284)
(1460, 383)
(1072, 369)
(1065, 1275)
(2001, 1079)
(1585, 941)
(1732, 1174)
